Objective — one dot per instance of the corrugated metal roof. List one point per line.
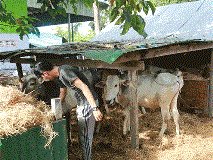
(170, 24)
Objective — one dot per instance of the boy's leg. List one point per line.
(86, 126)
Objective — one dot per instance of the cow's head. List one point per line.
(42, 90)
(30, 83)
(112, 87)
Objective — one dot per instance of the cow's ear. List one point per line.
(100, 84)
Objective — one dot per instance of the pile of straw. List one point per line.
(19, 112)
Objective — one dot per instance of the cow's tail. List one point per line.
(180, 83)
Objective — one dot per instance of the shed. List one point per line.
(173, 41)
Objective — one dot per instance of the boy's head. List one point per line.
(44, 69)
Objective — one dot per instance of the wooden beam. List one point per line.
(210, 94)
(22, 60)
(133, 109)
(89, 63)
(100, 64)
(177, 48)
(130, 56)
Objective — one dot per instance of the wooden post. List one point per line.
(20, 72)
(56, 108)
(210, 95)
(133, 109)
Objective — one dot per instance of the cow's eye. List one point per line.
(116, 85)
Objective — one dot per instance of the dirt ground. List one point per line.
(194, 143)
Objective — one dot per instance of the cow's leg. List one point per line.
(126, 125)
(106, 108)
(165, 116)
(175, 114)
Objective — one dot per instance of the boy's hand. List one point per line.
(98, 115)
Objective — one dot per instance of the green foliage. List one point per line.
(124, 12)
(19, 25)
(77, 36)
(128, 8)
(84, 38)
(128, 13)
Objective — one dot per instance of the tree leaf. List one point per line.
(88, 3)
(151, 6)
(39, 1)
(139, 7)
(74, 8)
(37, 32)
(43, 8)
(114, 14)
(119, 3)
(62, 11)
(18, 29)
(125, 27)
(146, 9)
(21, 35)
(120, 20)
(140, 20)
(127, 15)
(134, 19)
(52, 12)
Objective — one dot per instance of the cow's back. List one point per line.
(151, 93)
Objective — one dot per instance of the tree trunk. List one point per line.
(96, 18)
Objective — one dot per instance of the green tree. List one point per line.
(11, 21)
(63, 32)
(120, 10)
(125, 12)
(84, 38)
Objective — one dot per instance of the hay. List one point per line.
(19, 112)
(194, 142)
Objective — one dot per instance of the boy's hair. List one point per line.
(42, 66)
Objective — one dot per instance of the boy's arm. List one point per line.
(88, 94)
(63, 93)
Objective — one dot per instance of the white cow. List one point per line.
(159, 90)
